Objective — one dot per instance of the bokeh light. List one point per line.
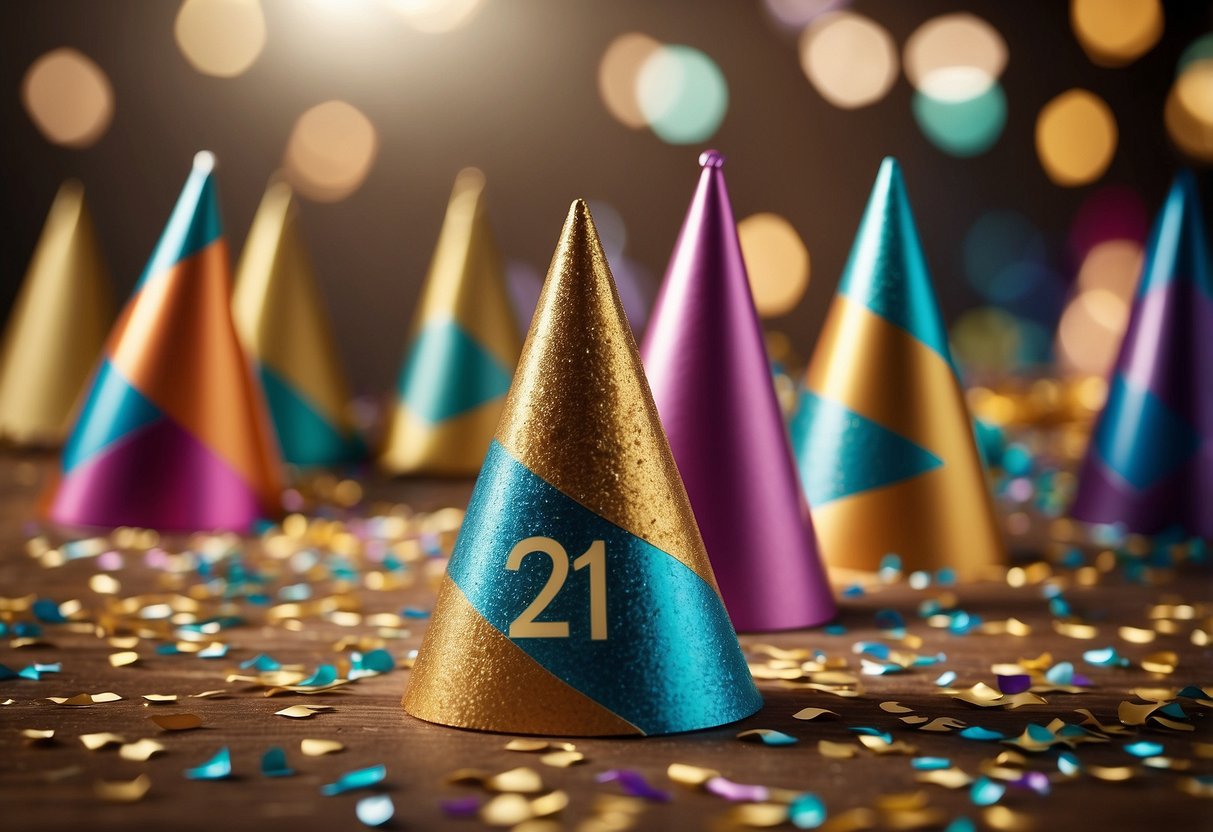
(1189, 109)
(1113, 265)
(1198, 50)
(987, 339)
(954, 57)
(1116, 32)
(1090, 331)
(682, 94)
(221, 37)
(794, 15)
(1114, 212)
(777, 261)
(850, 59)
(68, 97)
(962, 127)
(436, 16)
(330, 151)
(618, 74)
(1075, 137)
(998, 250)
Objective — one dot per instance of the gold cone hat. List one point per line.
(579, 599)
(462, 352)
(279, 314)
(57, 327)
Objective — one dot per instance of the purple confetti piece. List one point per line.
(461, 807)
(1015, 683)
(1037, 781)
(634, 784)
(722, 787)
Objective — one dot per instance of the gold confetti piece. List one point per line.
(902, 801)
(562, 759)
(895, 708)
(96, 742)
(688, 775)
(1155, 694)
(122, 791)
(813, 713)
(836, 750)
(1133, 713)
(124, 659)
(318, 748)
(541, 825)
(35, 736)
(303, 711)
(1164, 661)
(943, 724)
(1172, 724)
(759, 815)
(879, 746)
(140, 751)
(123, 642)
(1112, 774)
(549, 804)
(520, 780)
(914, 719)
(85, 699)
(797, 654)
(837, 691)
(1073, 630)
(9, 702)
(104, 584)
(851, 820)
(900, 821)
(506, 810)
(949, 778)
(1002, 819)
(1136, 635)
(526, 745)
(28, 642)
(159, 698)
(176, 722)
(1090, 720)
(1167, 763)
(209, 694)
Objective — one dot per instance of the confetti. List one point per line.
(273, 763)
(301, 711)
(140, 751)
(930, 763)
(124, 659)
(160, 698)
(521, 780)
(176, 722)
(82, 699)
(976, 732)
(949, 778)
(894, 708)
(362, 778)
(375, 810)
(767, 736)
(463, 807)
(38, 736)
(986, 792)
(318, 748)
(1162, 662)
(688, 775)
(1017, 683)
(836, 750)
(218, 767)
(261, 662)
(729, 790)
(97, 742)
(562, 759)
(813, 713)
(122, 791)
(807, 811)
(634, 784)
(759, 815)
(506, 810)
(879, 745)
(527, 745)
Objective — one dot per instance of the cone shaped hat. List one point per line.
(280, 316)
(173, 434)
(58, 324)
(579, 599)
(882, 436)
(1150, 461)
(463, 350)
(707, 364)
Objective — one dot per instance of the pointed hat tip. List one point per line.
(470, 180)
(711, 159)
(204, 161)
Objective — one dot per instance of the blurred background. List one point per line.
(1038, 139)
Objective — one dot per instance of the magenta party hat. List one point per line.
(1149, 465)
(173, 434)
(708, 368)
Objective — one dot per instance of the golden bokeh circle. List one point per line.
(330, 151)
(954, 56)
(777, 261)
(851, 60)
(436, 16)
(220, 37)
(619, 72)
(68, 97)
(1116, 32)
(1090, 331)
(1113, 265)
(1075, 137)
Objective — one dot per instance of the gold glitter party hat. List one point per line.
(57, 327)
(462, 351)
(579, 599)
(280, 317)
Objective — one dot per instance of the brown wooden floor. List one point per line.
(52, 786)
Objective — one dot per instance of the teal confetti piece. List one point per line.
(776, 738)
(834, 629)
(325, 675)
(1144, 748)
(976, 732)
(872, 732)
(273, 763)
(213, 651)
(362, 778)
(1068, 764)
(890, 620)
(930, 763)
(377, 661)
(1061, 673)
(47, 611)
(807, 811)
(1105, 657)
(946, 678)
(261, 663)
(986, 792)
(218, 767)
(853, 591)
(961, 824)
(375, 810)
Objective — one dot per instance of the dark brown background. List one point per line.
(515, 92)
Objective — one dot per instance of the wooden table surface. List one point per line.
(51, 786)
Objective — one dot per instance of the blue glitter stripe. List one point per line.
(840, 452)
(193, 225)
(448, 373)
(1140, 438)
(305, 437)
(113, 409)
(1178, 249)
(670, 661)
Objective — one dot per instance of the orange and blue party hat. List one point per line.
(463, 350)
(57, 326)
(281, 320)
(883, 436)
(579, 599)
(1149, 466)
(173, 434)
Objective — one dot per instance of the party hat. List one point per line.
(579, 599)
(1150, 461)
(707, 363)
(882, 436)
(281, 320)
(463, 350)
(173, 434)
(57, 326)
